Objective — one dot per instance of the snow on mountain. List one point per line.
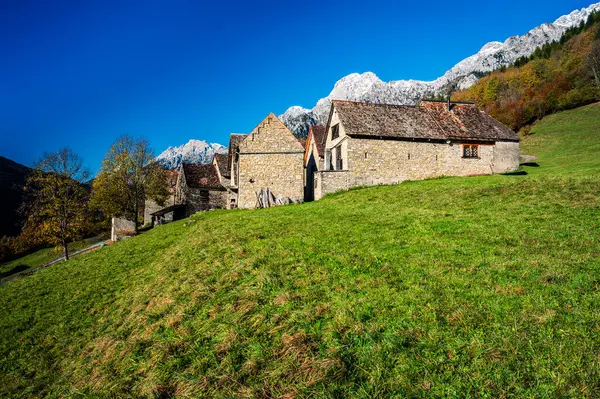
(368, 87)
(194, 151)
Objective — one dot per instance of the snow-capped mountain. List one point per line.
(194, 151)
(368, 87)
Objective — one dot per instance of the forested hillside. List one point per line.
(558, 76)
(12, 181)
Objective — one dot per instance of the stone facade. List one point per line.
(151, 206)
(270, 156)
(364, 160)
(121, 228)
(370, 162)
(199, 200)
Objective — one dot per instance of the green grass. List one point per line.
(46, 255)
(454, 287)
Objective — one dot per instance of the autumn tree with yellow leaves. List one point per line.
(57, 211)
(129, 175)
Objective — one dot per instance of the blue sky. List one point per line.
(80, 73)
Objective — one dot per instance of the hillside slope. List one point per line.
(482, 287)
(12, 181)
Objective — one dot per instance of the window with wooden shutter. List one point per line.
(470, 151)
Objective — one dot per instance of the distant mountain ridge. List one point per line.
(368, 87)
(194, 151)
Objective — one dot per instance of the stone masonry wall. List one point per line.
(327, 182)
(150, 206)
(282, 173)
(371, 162)
(506, 156)
(121, 227)
(270, 156)
(217, 199)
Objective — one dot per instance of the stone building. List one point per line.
(150, 206)
(369, 144)
(199, 188)
(270, 157)
(314, 158)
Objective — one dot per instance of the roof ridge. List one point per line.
(375, 104)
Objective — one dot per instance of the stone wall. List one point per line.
(217, 199)
(270, 156)
(371, 162)
(282, 173)
(121, 227)
(506, 156)
(150, 206)
(327, 182)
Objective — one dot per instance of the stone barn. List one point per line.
(150, 206)
(270, 157)
(369, 144)
(199, 188)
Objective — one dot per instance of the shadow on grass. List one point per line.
(14, 270)
(533, 164)
(515, 173)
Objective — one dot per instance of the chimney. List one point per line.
(448, 102)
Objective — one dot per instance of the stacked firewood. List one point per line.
(266, 199)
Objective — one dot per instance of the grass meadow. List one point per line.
(485, 287)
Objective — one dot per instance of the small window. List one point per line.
(335, 131)
(339, 163)
(204, 197)
(470, 151)
(366, 155)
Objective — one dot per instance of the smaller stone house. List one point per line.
(150, 206)
(269, 158)
(314, 158)
(369, 144)
(199, 188)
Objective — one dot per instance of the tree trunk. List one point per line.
(596, 74)
(65, 249)
(135, 218)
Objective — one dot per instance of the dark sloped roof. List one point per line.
(201, 175)
(222, 163)
(428, 121)
(234, 143)
(466, 121)
(172, 176)
(164, 211)
(320, 137)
